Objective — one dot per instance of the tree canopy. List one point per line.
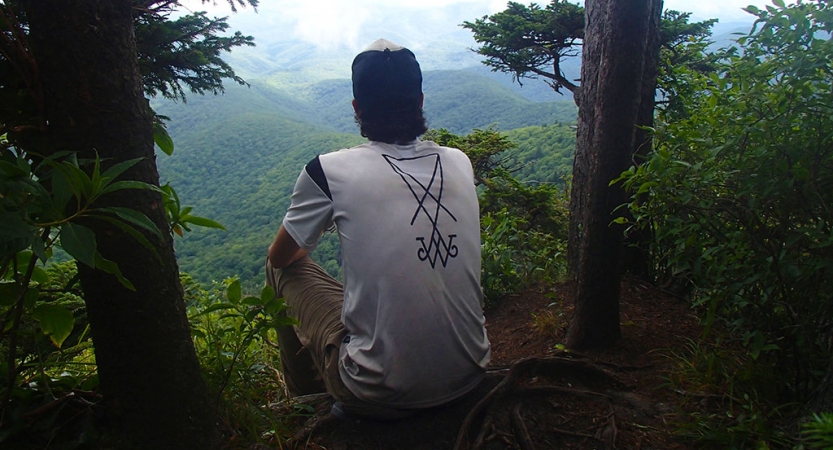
(534, 42)
(530, 41)
(185, 52)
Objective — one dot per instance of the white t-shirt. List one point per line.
(408, 220)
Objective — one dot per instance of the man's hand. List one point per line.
(284, 250)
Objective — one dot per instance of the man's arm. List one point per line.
(284, 250)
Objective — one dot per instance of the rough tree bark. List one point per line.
(617, 39)
(148, 369)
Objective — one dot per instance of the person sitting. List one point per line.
(406, 330)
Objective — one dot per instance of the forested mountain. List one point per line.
(545, 152)
(237, 165)
(238, 155)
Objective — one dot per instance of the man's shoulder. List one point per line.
(343, 151)
(451, 152)
(438, 147)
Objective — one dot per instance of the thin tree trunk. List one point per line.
(636, 260)
(616, 37)
(149, 373)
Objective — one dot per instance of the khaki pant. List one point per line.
(310, 351)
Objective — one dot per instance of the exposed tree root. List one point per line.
(575, 392)
(520, 430)
(523, 380)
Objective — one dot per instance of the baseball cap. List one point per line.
(386, 78)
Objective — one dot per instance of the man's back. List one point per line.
(408, 221)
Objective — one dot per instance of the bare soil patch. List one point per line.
(538, 396)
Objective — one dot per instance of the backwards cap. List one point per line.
(386, 78)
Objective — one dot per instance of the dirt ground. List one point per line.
(539, 396)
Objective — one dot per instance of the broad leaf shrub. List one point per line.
(236, 342)
(52, 395)
(47, 371)
(523, 228)
(739, 195)
(516, 257)
(48, 379)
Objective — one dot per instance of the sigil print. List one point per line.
(424, 177)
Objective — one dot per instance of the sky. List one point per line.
(339, 23)
(346, 27)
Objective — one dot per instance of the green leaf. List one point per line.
(128, 184)
(134, 217)
(40, 250)
(79, 182)
(234, 291)
(117, 169)
(61, 192)
(40, 275)
(79, 242)
(202, 222)
(266, 294)
(112, 268)
(132, 232)
(96, 176)
(276, 305)
(212, 308)
(645, 187)
(30, 297)
(55, 322)
(252, 301)
(8, 293)
(163, 139)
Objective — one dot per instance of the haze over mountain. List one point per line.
(305, 42)
(238, 155)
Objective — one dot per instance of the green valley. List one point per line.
(238, 155)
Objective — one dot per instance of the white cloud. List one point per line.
(341, 24)
(725, 10)
(333, 24)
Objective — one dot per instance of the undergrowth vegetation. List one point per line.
(523, 226)
(739, 195)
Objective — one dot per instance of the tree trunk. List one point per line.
(148, 369)
(615, 44)
(636, 259)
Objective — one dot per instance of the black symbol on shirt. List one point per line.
(428, 193)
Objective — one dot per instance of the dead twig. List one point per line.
(609, 432)
(574, 434)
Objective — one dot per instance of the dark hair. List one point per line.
(392, 127)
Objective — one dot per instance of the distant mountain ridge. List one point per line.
(459, 100)
(238, 155)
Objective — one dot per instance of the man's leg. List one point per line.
(315, 299)
(310, 351)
